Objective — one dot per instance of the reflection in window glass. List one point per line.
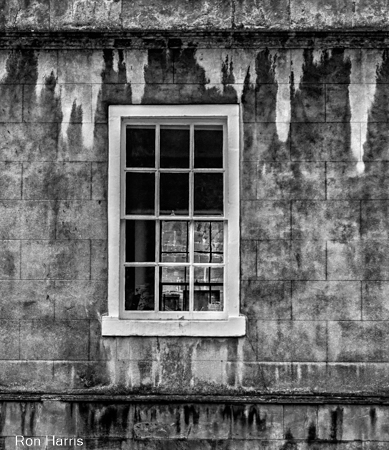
(139, 288)
(208, 242)
(174, 289)
(140, 146)
(140, 240)
(208, 147)
(208, 288)
(174, 147)
(174, 241)
(174, 194)
(140, 193)
(208, 193)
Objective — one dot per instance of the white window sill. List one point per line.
(233, 326)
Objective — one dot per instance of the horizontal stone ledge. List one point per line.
(279, 399)
(228, 38)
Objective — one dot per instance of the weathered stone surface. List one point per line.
(300, 421)
(28, 142)
(337, 103)
(261, 143)
(326, 300)
(55, 260)
(81, 220)
(42, 103)
(112, 94)
(248, 259)
(80, 375)
(265, 220)
(292, 341)
(85, 14)
(266, 299)
(374, 300)
(26, 16)
(99, 181)
(25, 299)
(100, 349)
(11, 103)
(80, 66)
(366, 260)
(20, 374)
(60, 339)
(57, 181)
(99, 263)
(284, 181)
(9, 339)
(257, 15)
(375, 219)
(358, 341)
(175, 15)
(248, 182)
(273, 260)
(308, 103)
(321, 142)
(345, 182)
(265, 101)
(10, 180)
(321, 14)
(9, 260)
(27, 219)
(332, 220)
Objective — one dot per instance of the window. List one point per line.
(173, 221)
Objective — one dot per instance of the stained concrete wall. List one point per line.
(124, 15)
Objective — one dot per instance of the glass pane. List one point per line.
(140, 189)
(140, 147)
(174, 289)
(208, 242)
(174, 194)
(174, 147)
(208, 147)
(208, 289)
(140, 241)
(208, 194)
(139, 288)
(174, 241)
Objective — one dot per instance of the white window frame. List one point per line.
(120, 323)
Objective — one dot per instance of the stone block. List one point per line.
(300, 421)
(332, 220)
(364, 260)
(338, 103)
(321, 14)
(326, 300)
(10, 180)
(99, 259)
(272, 260)
(137, 348)
(84, 142)
(376, 147)
(266, 299)
(374, 300)
(375, 219)
(261, 143)
(60, 339)
(9, 260)
(9, 339)
(265, 220)
(85, 15)
(81, 375)
(28, 142)
(248, 259)
(42, 102)
(249, 180)
(291, 181)
(257, 422)
(55, 418)
(57, 181)
(266, 102)
(81, 220)
(292, 341)
(176, 15)
(308, 103)
(344, 181)
(321, 142)
(31, 16)
(27, 220)
(55, 260)
(11, 103)
(99, 181)
(358, 341)
(80, 299)
(308, 260)
(100, 349)
(112, 94)
(270, 14)
(38, 375)
(80, 66)
(25, 299)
